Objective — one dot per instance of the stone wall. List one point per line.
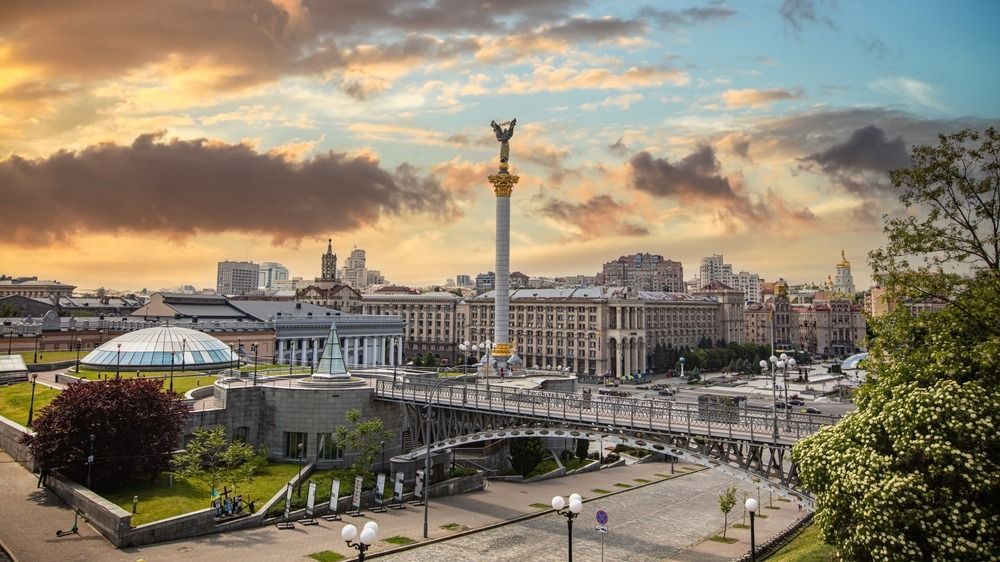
(110, 520)
(10, 435)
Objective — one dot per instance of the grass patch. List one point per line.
(741, 526)
(400, 540)
(323, 479)
(183, 381)
(543, 467)
(16, 398)
(641, 480)
(51, 356)
(623, 485)
(541, 505)
(786, 500)
(661, 475)
(327, 556)
(158, 500)
(727, 540)
(601, 491)
(761, 516)
(806, 547)
(454, 527)
(771, 507)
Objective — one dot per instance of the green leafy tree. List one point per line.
(727, 500)
(362, 437)
(431, 360)
(211, 459)
(526, 453)
(912, 474)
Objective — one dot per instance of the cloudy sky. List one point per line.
(143, 141)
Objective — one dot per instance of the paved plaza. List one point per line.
(664, 520)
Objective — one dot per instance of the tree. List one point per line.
(431, 360)
(912, 474)
(136, 427)
(526, 453)
(210, 458)
(726, 502)
(364, 438)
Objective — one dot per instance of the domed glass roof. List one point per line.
(151, 348)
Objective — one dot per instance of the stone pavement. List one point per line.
(663, 520)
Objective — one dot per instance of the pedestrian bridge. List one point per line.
(750, 444)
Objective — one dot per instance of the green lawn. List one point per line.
(323, 479)
(327, 556)
(16, 398)
(806, 547)
(158, 500)
(601, 491)
(454, 527)
(52, 356)
(183, 380)
(400, 540)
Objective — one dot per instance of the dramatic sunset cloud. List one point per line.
(683, 129)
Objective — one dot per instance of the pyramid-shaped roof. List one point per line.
(331, 363)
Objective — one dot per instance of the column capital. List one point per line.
(503, 183)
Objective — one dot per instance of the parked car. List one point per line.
(810, 410)
(642, 387)
(796, 402)
(779, 405)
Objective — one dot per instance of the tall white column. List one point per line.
(503, 186)
(399, 350)
(381, 350)
(281, 352)
(293, 344)
(315, 359)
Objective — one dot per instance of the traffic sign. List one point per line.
(602, 518)
(601, 529)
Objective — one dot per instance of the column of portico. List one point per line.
(314, 361)
(618, 317)
(349, 349)
(381, 350)
(399, 350)
(281, 352)
(620, 359)
(292, 348)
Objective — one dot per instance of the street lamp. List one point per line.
(682, 367)
(298, 491)
(575, 507)
(253, 347)
(118, 366)
(79, 343)
(31, 408)
(465, 346)
(487, 346)
(751, 505)
(369, 534)
(36, 350)
(183, 358)
(90, 458)
(772, 361)
(10, 336)
(784, 362)
(382, 444)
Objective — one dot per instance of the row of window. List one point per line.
(297, 444)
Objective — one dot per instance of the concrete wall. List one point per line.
(10, 435)
(110, 520)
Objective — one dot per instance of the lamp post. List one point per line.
(253, 347)
(784, 362)
(118, 365)
(574, 509)
(35, 360)
(79, 344)
(487, 346)
(751, 505)
(31, 407)
(369, 534)
(172, 357)
(682, 367)
(382, 444)
(183, 358)
(90, 458)
(10, 336)
(774, 397)
(298, 486)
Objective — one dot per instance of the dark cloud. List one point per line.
(596, 217)
(697, 179)
(796, 13)
(618, 147)
(689, 16)
(180, 188)
(601, 29)
(252, 41)
(742, 148)
(860, 164)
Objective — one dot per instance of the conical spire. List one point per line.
(331, 363)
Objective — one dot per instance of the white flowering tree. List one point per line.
(914, 473)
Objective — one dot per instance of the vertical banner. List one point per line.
(397, 487)
(288, 502)
(311, 499)
(359, 481)
(380, 489)
(334, 495)
(418, 489)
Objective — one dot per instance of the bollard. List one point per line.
(135, 504)
(171, 483)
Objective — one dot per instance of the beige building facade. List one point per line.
(429, 322)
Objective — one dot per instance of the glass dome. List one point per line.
(152, 348)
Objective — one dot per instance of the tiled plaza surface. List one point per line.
(663, 520)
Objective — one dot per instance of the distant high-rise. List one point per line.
(485, 282)
(354, 273)
(844, 283)
(463, 280)
(270, 272)
(328, 271)
(237, 277)
(714, 269)
(644, 272)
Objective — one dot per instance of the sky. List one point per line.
(143, 141)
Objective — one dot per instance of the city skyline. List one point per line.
(128, 159)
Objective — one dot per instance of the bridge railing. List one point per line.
(613, 412)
